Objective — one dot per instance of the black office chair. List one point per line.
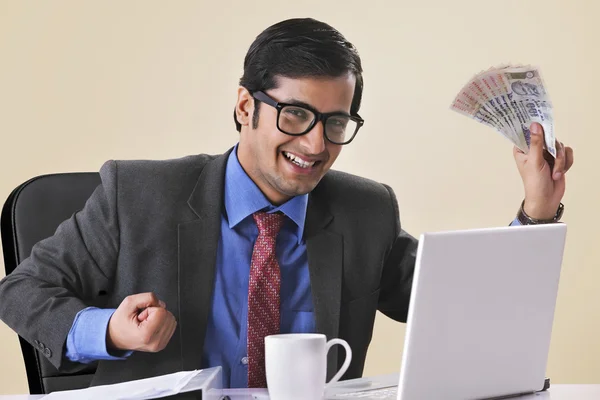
(31, 213)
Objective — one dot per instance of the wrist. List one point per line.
(526, 219)
(112, 344)
(538, 211)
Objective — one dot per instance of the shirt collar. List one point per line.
(243, 198)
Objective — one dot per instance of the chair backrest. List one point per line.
(31, 213)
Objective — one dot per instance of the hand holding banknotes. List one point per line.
(514, 101)
(141, 323)
(544, 181)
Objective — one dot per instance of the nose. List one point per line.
(314, 140)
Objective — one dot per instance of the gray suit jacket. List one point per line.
(155, 225)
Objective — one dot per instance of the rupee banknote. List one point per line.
(508, 99)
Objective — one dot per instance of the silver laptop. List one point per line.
(480, 317)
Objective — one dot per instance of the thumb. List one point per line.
(536, 148)
(148, 313)
(143, 315)
(140, 301)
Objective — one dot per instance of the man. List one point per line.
(204, 256)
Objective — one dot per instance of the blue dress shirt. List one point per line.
(226, 335)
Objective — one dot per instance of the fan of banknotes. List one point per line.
(509, 99)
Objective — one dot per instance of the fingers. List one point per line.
(140, 301)
(559, 162)
(168, 331)
(143, 315)
(568, 158)
(136, 305)
(157, 330)
(536, 148)
(141, 322)
(517, 152)
(564, 160)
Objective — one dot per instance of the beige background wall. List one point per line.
(85, 81)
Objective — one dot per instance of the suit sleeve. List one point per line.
(398, 270)
(65, 273)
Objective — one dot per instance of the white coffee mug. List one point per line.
(296, 365)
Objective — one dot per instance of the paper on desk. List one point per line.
(149, 388)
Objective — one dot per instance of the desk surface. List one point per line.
(556, 392)
(566, 392)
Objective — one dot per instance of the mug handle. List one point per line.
(346, 364)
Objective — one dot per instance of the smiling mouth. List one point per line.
(294, 159)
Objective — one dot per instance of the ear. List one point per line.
(244, 106)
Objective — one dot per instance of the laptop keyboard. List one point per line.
(385, 393)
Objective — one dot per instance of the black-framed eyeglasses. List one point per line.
(297, 120)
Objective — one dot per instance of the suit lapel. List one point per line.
(198, 241)
(325, 255)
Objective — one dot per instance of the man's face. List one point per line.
(266, 153)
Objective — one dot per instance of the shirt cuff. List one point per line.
(86, 341)
(516, 222)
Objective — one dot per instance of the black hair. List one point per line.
(299, 48)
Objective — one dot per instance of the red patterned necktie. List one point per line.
(263, 295)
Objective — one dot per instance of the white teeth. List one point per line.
(298, 161)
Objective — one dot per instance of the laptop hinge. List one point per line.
(510, 396)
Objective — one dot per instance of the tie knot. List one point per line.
(268, 224)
